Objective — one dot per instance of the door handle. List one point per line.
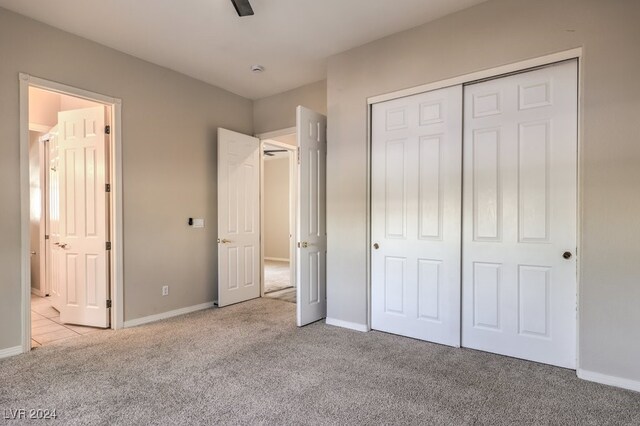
(376, 246)
(567, 255)
(223, 241)
(62, 245)
(303, 244)
(33, 253)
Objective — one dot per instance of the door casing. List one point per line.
(115, 205)
(292, 151)
(516, 67)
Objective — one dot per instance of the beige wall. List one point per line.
(169, 173)
(491, 34)
(276, 208)
(279, 111)
(44, 106)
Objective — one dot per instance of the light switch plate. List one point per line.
(198, 223)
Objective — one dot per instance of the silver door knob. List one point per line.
(567, 255)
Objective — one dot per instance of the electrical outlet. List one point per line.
(165, 290)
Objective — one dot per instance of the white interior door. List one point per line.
(54, 252)
(520, 160)
(83, 220)
(311, 252)
(238, 217)
(415, 211)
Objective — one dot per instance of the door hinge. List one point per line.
(108, 245)
(108, 303)
(107, 129)
(46, 237)
(298, 156)
(107, 187)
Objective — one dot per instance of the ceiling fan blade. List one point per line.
(242, 7)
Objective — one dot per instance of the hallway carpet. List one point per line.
(250, 364)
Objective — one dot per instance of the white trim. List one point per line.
(479, 75)
(605, 379)
(37, 292)
(368, 240)
(276, 259)
(347, 324)
(40, 128)
(117, 234)
(68, 90)
(579, 204)
(278, 144)
(276, 133)
(169, 314)
(261, 184)
(117, 280)
(25, 255)
(6, 353)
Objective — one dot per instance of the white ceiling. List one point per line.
(206, 39)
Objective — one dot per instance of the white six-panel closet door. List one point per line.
(519, 227)
(416, 214)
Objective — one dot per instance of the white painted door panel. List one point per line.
(83, 221)
(311, 253)
(520, 167)
(238, 217)
(416, 203)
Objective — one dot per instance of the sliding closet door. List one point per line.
(416, 196)
(519, 225)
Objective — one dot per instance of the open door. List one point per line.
(311, 251)
(238, 217)
(52, 219)
(81, 248)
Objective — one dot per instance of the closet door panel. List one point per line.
(416, 202)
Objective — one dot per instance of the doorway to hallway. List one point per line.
(71, 211)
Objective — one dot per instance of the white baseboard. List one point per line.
(165, 315)
(277, 259)
(6, 353)
(37, 292)
(605, 379)
(347, 324)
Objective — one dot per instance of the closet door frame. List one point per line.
(496, 72)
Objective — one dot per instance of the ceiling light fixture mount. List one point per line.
(243, 7)
(257, 68)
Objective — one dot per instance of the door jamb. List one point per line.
(115, 205)
(520, 66)
(293, 199)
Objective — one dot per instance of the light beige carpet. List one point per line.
(249, 364)
(276, 276)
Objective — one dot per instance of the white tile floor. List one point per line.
(46, 326)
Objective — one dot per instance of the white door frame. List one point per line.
(516, 67)
(115, 214)
(293, 199)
